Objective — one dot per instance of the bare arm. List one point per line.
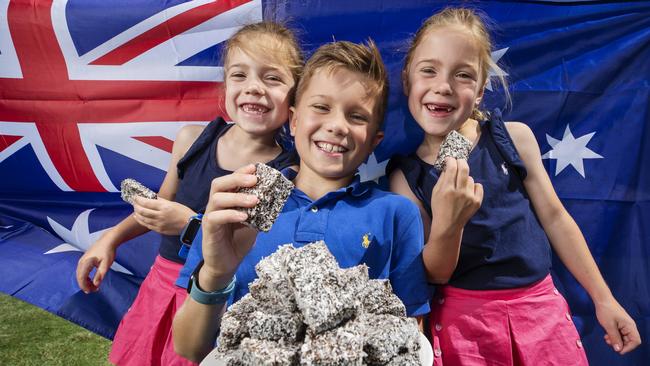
(102, 253)
(569, 243)
(455, 198)
(163, 215)
(196, 325)
(225, 243)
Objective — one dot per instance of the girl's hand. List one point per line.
(225, 240)
(160, 215)
(101, 256)
(621, 332)
(455, 197)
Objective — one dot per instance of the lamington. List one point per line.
(234, 323)
(278, 326)
(454, 145)
(378, 298)
(387, 336)
(255, 352)
(272, 286)
(272, 190)
(334, 316)
(342, 346)
(320, 289)
(130, 188)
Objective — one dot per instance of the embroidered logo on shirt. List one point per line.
(504, 167)
(365, 241)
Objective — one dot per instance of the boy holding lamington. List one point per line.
(336, 123)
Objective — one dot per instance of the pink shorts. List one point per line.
(144, 336)
(523, 326)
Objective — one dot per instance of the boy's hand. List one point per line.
(225, 240)
(161, 215)
(101, 256)
(455, 197)
(621, 332)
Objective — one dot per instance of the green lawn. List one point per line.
(32, 336)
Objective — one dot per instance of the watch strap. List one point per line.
(209, 298)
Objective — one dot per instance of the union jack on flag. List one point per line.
(92, 92)
(76, 84)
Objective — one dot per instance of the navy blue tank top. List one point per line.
(197, 168)
(503, 245)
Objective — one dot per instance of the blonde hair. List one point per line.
(475, 24)
(280, 43)
(364, 59)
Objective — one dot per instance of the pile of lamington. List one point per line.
(305, 310)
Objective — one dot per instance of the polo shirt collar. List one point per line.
(356, 188)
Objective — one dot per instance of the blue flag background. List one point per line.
(101, 94)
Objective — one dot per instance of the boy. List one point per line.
(340, 103)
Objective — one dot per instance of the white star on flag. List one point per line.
(79, 238)
(570, 151)
(372, 170)
(496, 56)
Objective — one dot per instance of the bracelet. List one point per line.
(208, 298)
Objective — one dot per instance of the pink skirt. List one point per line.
(144, 336)
(523, 326)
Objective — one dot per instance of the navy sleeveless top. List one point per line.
(503, 244)
(196, 170)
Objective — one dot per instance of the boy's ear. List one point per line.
(292, 121)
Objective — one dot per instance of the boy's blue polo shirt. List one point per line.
(360, 224)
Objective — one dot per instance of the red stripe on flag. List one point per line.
(7, 140)
(159, 142)
(165, 31)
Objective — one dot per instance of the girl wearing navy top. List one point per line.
(262, 63)
(489, 220)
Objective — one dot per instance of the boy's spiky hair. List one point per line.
(361, 58)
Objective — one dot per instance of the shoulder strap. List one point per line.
(504, 143)
(287, 158)
(416, 176)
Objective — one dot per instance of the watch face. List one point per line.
(190, 231)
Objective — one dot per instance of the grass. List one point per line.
(32, 336)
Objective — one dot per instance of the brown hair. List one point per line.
(475, 24)
(364, 59)
(268, 38)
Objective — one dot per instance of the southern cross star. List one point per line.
(79, 238)
(372, 170)
(496, 56)
(570, 151)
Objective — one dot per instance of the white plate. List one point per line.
(426, 352)
(426, 355)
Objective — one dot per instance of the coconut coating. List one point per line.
(130, 189)
(272, 190)
(454, 145)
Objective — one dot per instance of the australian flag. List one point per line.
(93, 91)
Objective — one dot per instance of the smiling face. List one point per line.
(442, 80)
(335, 124)
(256, 92)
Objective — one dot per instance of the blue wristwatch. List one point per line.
(208, 298)
(189, 233)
